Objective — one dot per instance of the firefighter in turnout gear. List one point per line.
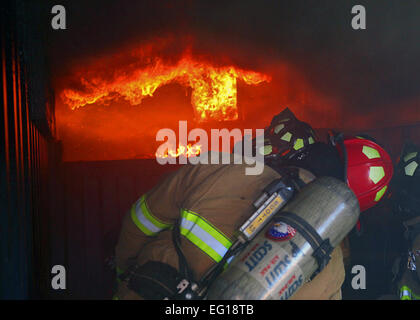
(207, 203)
(211, 202)
(406, 205)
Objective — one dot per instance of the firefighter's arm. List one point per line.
(153, 212)
(136, 231)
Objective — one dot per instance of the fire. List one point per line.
(214, 88)
(186, 151)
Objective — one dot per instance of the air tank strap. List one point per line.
(322, 247)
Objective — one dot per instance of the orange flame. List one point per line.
(186, 151)
(214, 89)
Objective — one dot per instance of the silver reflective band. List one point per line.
(142, 218)
(405, 293)
(204, 236)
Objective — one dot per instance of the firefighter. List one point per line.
(210, 201)
(405, 200)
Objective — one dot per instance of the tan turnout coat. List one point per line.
(223, 194)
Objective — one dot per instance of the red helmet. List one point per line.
(369, 169)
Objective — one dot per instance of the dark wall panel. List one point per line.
(94, 198)
(25, 143)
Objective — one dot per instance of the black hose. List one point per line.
(184, 268)
(209, 278)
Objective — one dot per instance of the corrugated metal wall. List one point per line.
(24, 165)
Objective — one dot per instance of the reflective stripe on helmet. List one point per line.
(278, 128)
(286, 137)
(410, 156)
(204, 235)
(145, 220)
(407, 294)
(411, 168)
(298, 144)
(380, 193)
(376, 174)
(371, 153)
(266, 150)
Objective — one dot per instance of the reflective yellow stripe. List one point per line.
(204, 235)
(407, 294)
(380, 193)
(145, 220)
(410, 168)
(286, 137)
(298, 144)
(405, 297)
(376, 174)
(266, 150)
(410, 156)
(371, 153)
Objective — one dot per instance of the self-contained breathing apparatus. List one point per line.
(323, 204)
(183, 286)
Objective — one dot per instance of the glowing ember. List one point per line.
(186, 151)
(214, 89)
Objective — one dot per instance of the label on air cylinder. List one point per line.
(273, 267)
(257, 220)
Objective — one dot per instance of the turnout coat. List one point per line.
(212, 201)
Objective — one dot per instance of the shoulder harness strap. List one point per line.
(322, 247)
